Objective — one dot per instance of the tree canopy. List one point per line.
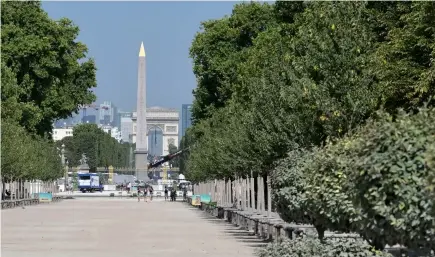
(99, 147)
(288, 88)
(51, 74)
(45, 77)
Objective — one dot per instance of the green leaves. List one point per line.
(27, 157)
(100, 148)
(47, 65)
(388, 203)
(294, 98)
(217, 52)
(309, 246)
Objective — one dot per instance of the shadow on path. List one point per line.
(238, 233)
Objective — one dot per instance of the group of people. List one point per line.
(173, 194)
(147, 194)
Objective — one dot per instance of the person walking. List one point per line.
(166, 193)
(185, 194)
(147, 193)
(151, 193)
(129, 187)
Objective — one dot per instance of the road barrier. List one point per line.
(24, 193)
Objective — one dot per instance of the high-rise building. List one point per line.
(126, 129)
(107, 113)
(90, 119)
(186, 118)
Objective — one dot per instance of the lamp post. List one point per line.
(62, 152)
(66, 173)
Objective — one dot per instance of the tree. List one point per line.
(100, 148)
(176, 161)
(25, 157)
(405, 58)
(217, 51)
(48, 67)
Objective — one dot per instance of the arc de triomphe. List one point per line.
(162, 119)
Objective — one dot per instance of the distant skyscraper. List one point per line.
(186, 118)
(126, 129)
(90, 119)
(107, 113)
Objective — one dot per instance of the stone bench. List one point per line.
(259, 224)
(274, 228)
(8, 204)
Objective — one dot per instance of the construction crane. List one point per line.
(93, 106)
(166, 158)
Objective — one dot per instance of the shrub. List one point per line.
(328, 191)
(310, 246)
(288, 184)
(391, 175)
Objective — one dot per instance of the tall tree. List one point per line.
(217, 51)
(405, 59)
(50, 68)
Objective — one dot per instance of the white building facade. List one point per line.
(61, 133)
(165, 122)
(112, 131)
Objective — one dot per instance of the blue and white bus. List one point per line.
(89, 182)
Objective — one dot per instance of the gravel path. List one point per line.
(109, 227)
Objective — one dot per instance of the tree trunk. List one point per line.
(320, 231)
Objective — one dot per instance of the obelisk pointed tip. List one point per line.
(142, 50)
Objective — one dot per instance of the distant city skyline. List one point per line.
(166, 29)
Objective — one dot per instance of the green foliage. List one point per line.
(217, 50)
(391, 175)
(310, 246)
(99, 147)
(295, 99)
(42, 81)
(26, 157)
(176, 161)
(288, 184)
(405, 59)
(45, 79)
(374, 182)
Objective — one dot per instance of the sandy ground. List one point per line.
(110, 227)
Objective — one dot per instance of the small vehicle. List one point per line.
(89, 182)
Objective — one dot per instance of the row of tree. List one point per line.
(45, 77)
(100, 148)
(301, 79)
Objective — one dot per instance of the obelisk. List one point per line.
(141, 152)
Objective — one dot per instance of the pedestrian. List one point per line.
(166, 193)
(173, 195)
(151, 193)
(147, 193)
(128, 187)
(185, 194)
(138, 194)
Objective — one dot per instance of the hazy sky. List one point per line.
(113, 32)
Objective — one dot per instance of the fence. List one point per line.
(22, 192)
(246, 194)
(247, 203)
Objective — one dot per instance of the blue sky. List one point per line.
(113, 32)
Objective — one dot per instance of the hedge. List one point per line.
(310, 246)
(377, 182)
